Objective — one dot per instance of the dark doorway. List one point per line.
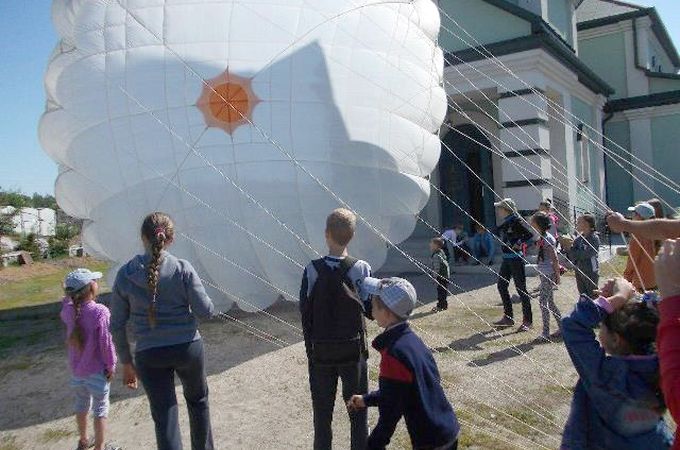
(462, 186)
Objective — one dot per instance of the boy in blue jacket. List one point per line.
(617, 402)
(409, 382)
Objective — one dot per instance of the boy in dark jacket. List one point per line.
(440, 267)
(514, 234)
(409, 381)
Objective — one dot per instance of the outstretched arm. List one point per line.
(655, 229)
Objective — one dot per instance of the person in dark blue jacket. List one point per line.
(617, 402)
(409, 381)
(514, 234)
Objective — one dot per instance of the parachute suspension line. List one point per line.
(195, 242)
(556, 106)
(370, 226)
(520, 170)
(179, 167)
(604, 149)
(291, 157)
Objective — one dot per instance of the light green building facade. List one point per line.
(566, 77)
(629, 47)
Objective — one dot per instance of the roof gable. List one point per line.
(598, 9)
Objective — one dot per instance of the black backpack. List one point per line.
(334, 317)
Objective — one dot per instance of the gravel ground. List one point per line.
(509, 390)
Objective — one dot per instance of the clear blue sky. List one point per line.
(26, 41)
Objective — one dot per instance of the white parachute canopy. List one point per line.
(195, 108)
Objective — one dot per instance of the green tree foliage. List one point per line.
(21, 200)
(29, 244)
(61, 241)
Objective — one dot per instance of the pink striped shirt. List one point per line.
(98, 353)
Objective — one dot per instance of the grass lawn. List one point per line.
(40, 283)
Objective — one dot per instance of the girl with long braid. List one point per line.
(91, 354)
(162, 297)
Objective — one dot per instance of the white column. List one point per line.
(598, 139)
(570, 146)
(525, 141)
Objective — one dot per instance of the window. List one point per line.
(584, 149)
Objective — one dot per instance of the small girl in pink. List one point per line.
(91, 354)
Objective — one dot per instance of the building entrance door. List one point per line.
(460, 184)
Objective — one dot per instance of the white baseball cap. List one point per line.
(507, 203)
(80, 278)
(645, 210)
(396, 293)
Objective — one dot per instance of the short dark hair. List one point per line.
(542, 220)
(439, 242)
(636, 323)
(590, 219)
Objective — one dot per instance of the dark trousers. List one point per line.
(586, 282)
(514, 268)
(442, 292)
(156, 368)
(323, 383)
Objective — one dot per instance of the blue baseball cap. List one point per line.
(396, 293)
(80, 278)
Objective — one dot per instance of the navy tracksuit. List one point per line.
(409, 386)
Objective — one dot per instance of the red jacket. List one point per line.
(668, 346)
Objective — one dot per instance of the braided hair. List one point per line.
(77, 337)
(158, 231)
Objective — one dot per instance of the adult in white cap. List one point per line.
(514, 235)
(641, 252)
(409, 381)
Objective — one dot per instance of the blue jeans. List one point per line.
(483, 246)
(156, 368)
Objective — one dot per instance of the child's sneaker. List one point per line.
(89, 444)
(526, 326)
(505, 322)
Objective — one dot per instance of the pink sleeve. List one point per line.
(668, 345)
(106, 347)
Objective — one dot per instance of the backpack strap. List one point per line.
(320, 265)
(346, 265)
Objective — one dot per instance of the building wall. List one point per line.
(485, 22)
(619, 180)
(560, 15)
(657, 85)
(665, 139)
(40, 221)
(606, 55)
(658, 60)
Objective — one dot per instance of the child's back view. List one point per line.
(617, 402)
(333, 306)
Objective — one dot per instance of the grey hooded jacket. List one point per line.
(180, 300)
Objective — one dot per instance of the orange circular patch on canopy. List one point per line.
(227, 101)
